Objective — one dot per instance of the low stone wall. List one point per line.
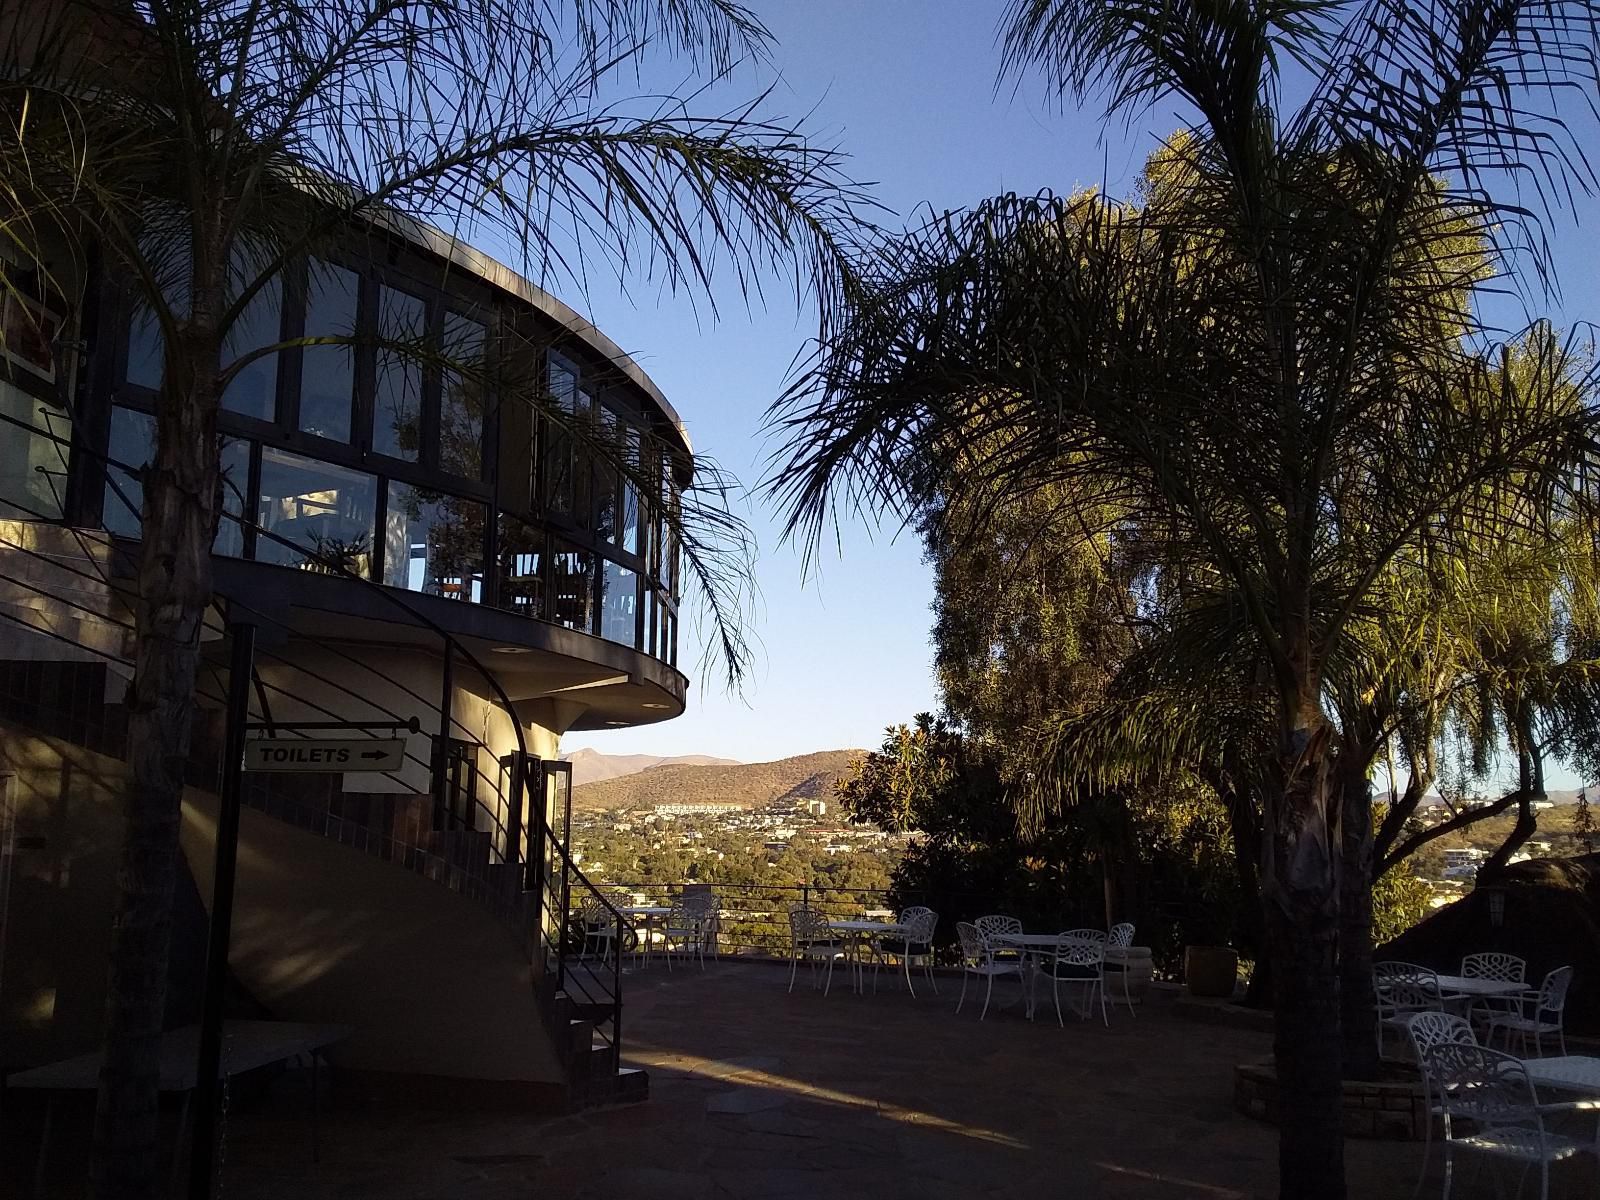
(1393, 1110)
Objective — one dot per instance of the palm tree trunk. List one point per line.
(1356, 996)
(174, 590)
(1301, 906)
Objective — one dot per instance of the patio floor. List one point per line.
(757, 1093)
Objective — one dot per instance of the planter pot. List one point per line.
(1210, 970)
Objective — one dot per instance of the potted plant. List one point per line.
(1210, 970)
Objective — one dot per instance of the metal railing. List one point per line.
(750, 919)
(584, 953)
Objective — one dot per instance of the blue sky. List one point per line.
(907, 88)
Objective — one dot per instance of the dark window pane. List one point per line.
(650, 619)
(606, 480)
(522, 562)
(572, 587)
(145, 348)
(235, 464)
(558, 441)
(325, 509)
(583, 463)
(132, 443)
(632, 533)
(463, 399)
(328, 373)
(254, 391)
(33, 465)
(397, 397)
(433, 544)
(619, 603)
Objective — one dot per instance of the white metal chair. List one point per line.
(1500, 967)
(813, 939)
(599, 930)
(1401, 990)
(977, 958)
(1540, 1013)
(685, 931)
(996, 923)
(1492, 1091)
(705, 907)
(919, 925)
(1079, 959)
(1121, 937)
(1427, 1030)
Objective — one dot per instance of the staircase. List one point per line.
(76, 698)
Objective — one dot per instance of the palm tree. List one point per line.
(1270, 356)
(197, 149)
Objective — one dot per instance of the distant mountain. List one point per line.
(806, 777)
(590, 766)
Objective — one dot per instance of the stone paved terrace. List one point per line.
(756, 1094)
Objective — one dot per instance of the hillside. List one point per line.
(591, 766)
(806, 777)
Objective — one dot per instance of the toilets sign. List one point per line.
(324, 754)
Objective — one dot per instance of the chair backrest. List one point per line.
(1075, 949)
(596, 914)
(1121, 934)
(995, 923)
(1495, 965)
(1401, 986)
(919, 923)
(806, 923)
(974, 947)
(704, 898)
(1484, 1086)
(1553, 992)
(1430, 1029)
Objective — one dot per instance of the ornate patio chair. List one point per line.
(1492, 1092)
(996, 923)
(1501, 968)
(599, 930)
(977, 958)
(919, 924)
(685, 931)
(1402, 989)
(813, 939)
(1539, 1013)
(1079, 960)
(1427, 1030)
(1121, 937)
(703, 902)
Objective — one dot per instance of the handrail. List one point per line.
(570, 872)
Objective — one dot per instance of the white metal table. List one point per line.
(652, 915)
(858, 934)
(1031, 946)
(1477, 989)
(1569, 1072)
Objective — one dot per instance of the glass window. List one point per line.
(397, 393)
(33, 465)
(133, 443)
(324, 509)
(433, 543)
(145, 348)
(328, 373)
(650, 638)
(572, 586)
(619, 603)
(632, 534)
(605, 477)
(462, 399)
(235, 465)
(253, 392)
(558, 441)
(522, 561)
(669, 638)
(583, 463)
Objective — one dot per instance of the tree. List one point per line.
(1267, 359)
(200, 148)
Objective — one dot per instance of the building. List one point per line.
(424, 553)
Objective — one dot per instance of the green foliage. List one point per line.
(1399, 901)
